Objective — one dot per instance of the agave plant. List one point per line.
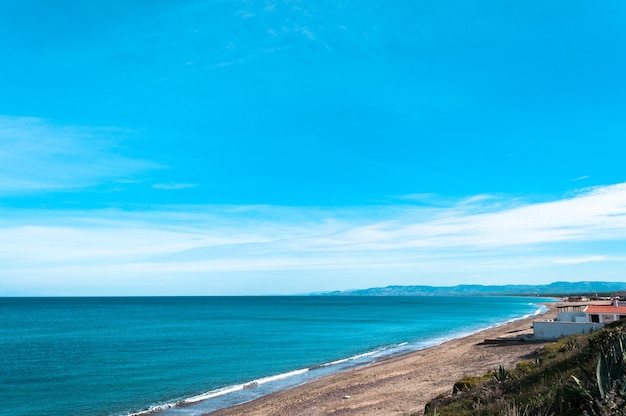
(500, 375)
(609, 393)
(610, 371)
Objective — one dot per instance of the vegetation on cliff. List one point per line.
(579, 375)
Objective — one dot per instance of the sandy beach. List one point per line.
(401, 385)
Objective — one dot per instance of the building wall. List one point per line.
(571, 317)
(604, 317)
(556, 329)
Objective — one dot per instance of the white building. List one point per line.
(578, 319)
(571, 323)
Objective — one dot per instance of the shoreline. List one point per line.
(234, 395)
(401, 384)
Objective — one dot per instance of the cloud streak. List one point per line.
(483, 235)
(580, 260)
(39, 156)
(173, 186)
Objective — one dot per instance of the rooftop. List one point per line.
(608, 309)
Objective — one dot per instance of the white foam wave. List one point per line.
(281, 376)
(213, 393)
(345, 360)
(154, 409)
(360, 356)
(254, 383)
(219, 392)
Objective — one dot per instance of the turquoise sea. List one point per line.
(120, 356)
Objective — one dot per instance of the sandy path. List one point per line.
(400, 385)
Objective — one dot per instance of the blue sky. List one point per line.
(262, 147)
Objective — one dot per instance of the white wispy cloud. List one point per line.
(174, 186)
(38, 155)
(490, 237)
(584, 259)
(420, 197)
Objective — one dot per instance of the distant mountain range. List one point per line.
(552, 289)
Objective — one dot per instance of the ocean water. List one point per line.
(121, 356)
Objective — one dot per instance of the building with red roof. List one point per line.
(579, 319)
(606, 313)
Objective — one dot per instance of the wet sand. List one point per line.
(401, 385)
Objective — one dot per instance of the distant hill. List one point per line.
(552, 289)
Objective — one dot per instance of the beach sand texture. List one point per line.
(401, 385)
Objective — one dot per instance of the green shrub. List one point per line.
(526, 367)
(467, 383)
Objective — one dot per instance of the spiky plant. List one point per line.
(501, 374)
(610, 371)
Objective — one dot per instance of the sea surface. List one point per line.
(189, 355)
